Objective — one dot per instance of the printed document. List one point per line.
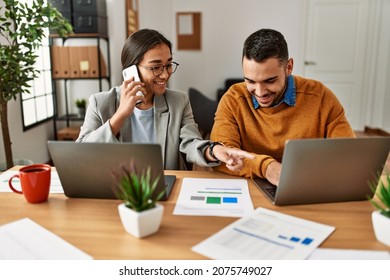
(214, 197)
(26, 240)
(265, 235)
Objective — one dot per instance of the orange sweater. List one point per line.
(317, 114)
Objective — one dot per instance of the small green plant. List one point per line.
(383, 194)
(137, 189)
(81, 103)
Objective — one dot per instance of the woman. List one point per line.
(164, 116)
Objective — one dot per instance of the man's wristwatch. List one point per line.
(211, 148)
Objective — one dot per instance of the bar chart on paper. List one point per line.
(265, 235)
(214, 197)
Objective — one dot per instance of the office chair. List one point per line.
(228, 83)
(204, 110)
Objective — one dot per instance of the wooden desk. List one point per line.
(94, 226)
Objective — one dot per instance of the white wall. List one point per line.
(225, 25)
(379, 89)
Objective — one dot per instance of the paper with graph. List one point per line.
(265, 235)
(214, 197)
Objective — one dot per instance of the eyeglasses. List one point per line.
(158, 69)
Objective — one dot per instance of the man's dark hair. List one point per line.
(139, 43)
(264, 44)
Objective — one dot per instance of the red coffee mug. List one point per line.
(35, 182)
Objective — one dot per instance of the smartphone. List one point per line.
(132, 71)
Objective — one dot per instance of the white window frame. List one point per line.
(37, 106)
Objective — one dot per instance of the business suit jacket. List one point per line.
(176, 130)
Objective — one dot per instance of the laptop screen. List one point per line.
(86, 169)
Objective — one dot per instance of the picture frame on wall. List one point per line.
(188, 30)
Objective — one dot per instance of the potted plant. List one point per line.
(140, 213)
(381, 217)
(81, 104)
(22, 28)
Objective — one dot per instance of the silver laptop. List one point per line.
(327, 170)
(85, 169)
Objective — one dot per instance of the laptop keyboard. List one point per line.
(271, 190)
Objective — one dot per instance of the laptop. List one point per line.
(327, 170)
(85, 169)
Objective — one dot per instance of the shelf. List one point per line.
(102, 72)
(79, 35)
(70, 117)
(83, 78)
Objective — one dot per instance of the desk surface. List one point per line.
(94, 226)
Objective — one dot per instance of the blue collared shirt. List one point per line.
(289, 94)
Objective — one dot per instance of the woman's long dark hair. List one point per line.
(139, 43)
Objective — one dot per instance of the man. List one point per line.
(272, 106)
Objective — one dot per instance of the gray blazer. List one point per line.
(176, 129)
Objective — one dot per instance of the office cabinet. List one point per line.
(71, 62)
(90, 7)
(86, 16)
(89, 24)
(89, 16)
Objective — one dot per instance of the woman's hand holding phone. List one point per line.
(130, 96)
(133, 72)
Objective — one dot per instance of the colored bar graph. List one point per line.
(230, 200)
(213, 200)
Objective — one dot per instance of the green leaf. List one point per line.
(137, 190)
(382, 191)
(22, 28)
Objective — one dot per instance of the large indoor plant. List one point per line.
(381, 217)
(140, 213)
(22, 28)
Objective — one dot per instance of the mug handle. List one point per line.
(10, 183)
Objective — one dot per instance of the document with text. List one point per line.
(265, 235)
(214, 197)
(24, 239)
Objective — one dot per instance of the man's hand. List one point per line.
(272, 173)
(233, 157)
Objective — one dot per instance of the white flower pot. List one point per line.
(141, 224)
(81, 112)
(381, 226)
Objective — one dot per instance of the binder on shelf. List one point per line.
(74, 60)
(84, 62)
(94, 62)
(64, 62)
(103, 66)
(56, 62)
